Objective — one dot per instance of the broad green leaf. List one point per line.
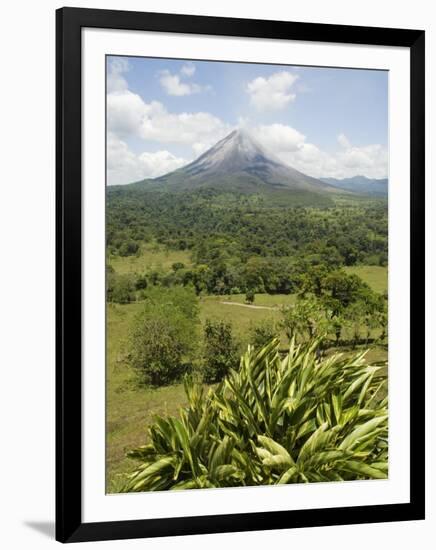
(361, 431)
(364, 469)
(288, 475)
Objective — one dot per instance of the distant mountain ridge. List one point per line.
(239, 163)
(361, 185)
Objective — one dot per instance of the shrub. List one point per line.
(141, 282)
(250, 296)
(177, 266)
(295, 419)
(120, 288)
(163, 340)
(263, 332)
(220, 351)
(128, 248)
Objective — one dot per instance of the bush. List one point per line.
(163, 341)
(263, 332)
(141, 282)
(128, 248)
(120, 288)
(177, 266)
(296, 419)
(305, 319)
(250, 296)
(220, 351)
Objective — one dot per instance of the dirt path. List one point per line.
(249, 306)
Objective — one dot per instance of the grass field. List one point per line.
(151, 257)
(130, 408)
(214, 308)
(375, 276)
(264, 300)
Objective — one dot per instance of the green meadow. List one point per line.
(151, 256)
(375, 276)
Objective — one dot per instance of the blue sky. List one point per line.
(163, 113)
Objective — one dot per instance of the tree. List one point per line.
(348, 302)
(201, 277)
(306, 318)
(382, 318)
(128, 248)
(141, 282)
(373, 308)
(341, 289)
(120, 288)
(163, 340)
(254, 272)
(312, 279)
(155, 276)
(220, 351)
(337, 324)
(354, 318)
(177, 266)
(263, 332)
(250, 296)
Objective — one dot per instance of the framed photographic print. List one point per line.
(240, 274)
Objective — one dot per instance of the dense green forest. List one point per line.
(237, 244)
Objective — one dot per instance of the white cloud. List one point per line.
(129, 115)
(369, 160)
(291, 147)
(311, 160)
(159, 163)
(201, 147)
(278, 137)
(272, 93)
(174, 85)
(188, 70)
(123, 166)
(115, 80)
(125, 112)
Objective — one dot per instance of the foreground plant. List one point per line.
(276, 420)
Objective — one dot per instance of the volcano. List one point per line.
(239, 163)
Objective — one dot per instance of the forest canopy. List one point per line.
(237, 243)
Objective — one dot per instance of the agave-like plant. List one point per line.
(298, 418)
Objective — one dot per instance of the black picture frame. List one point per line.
(69, 23)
